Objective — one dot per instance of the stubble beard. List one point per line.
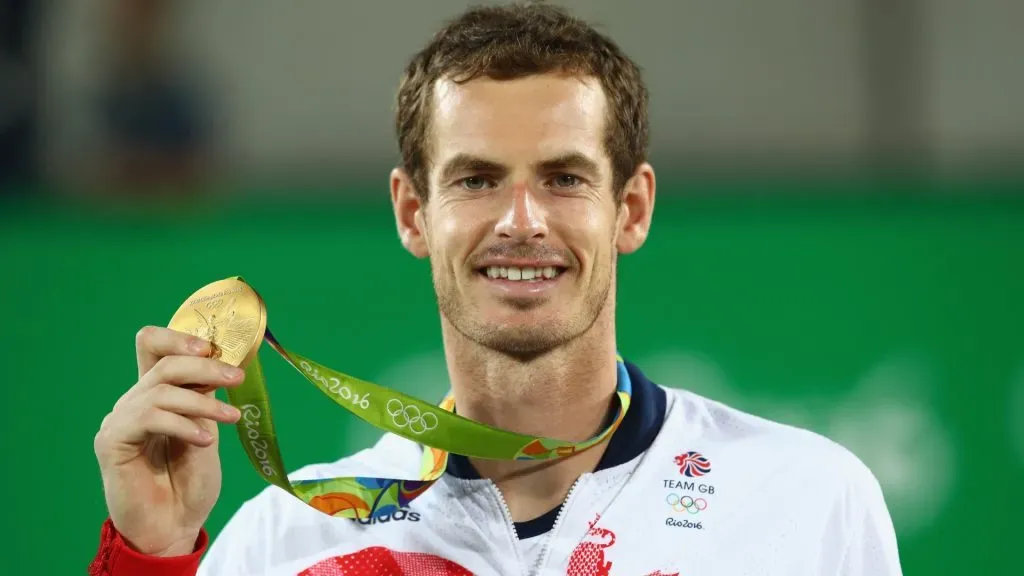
(522, 343)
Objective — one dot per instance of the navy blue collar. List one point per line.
(635, 435)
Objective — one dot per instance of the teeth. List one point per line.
(521, 274)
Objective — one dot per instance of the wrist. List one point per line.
(115, 557)
(182, 546)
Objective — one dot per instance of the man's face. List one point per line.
(521, 223)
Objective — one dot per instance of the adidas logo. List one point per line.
(398, 516)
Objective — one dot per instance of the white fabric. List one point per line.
(779, 501)
(531, 549)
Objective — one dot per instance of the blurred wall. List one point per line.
(790, 85)
(973, 94)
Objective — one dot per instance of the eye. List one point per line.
(566, 181)
(474, 183)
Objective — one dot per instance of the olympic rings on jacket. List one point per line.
(686, 503)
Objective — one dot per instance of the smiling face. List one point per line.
(522, 226)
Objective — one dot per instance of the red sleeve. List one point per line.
(116, 558)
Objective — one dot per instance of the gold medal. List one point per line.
(230, 315)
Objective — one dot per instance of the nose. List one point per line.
(524, 218)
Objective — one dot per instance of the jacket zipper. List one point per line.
(542, 558)
(508, 519)
(506, 511)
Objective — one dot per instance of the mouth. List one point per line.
(521, 273)
(522, 282)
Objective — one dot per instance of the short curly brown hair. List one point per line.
(515, 41)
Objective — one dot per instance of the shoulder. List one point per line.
(275, 527)
(752, 442)
(798, 484)
(273, 515)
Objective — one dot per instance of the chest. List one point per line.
(701, 529)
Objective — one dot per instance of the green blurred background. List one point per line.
(883, 316)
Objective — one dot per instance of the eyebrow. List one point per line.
(572, 162)
(466, 163)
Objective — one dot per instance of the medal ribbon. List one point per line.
(438, 428)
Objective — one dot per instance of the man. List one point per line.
(523, 135)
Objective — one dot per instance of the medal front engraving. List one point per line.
(229, 315)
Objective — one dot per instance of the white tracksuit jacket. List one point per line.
(718, 492)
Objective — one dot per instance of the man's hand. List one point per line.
(157, 449)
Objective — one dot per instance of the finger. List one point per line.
(193, 404)
(192, 371)
(154, 342)
(157, 421)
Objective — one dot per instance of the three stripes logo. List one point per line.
(693, 464)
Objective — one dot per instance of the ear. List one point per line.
(409, 214)
(636, 209)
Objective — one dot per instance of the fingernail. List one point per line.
(204, 435)
(230, 410)
(232, 373)
(197, 345)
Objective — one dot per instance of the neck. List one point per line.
(565, 394)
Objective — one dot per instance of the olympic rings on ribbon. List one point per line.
(409, 416)
(686, 503)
